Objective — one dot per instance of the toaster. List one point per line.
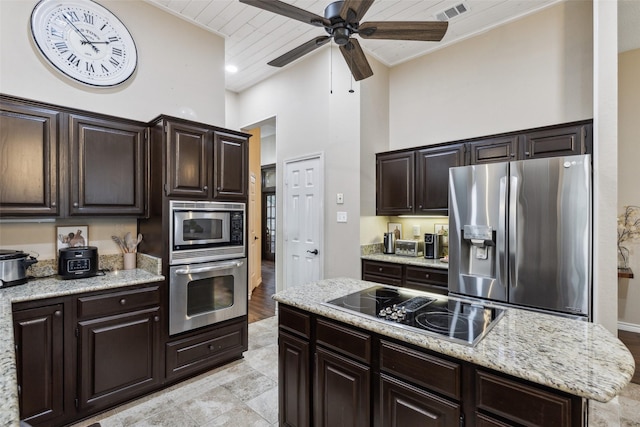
(413, 248)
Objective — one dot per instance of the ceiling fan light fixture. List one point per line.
(341, 36)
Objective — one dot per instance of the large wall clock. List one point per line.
(84, 41)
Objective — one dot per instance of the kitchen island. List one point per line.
(41, 289)
(549, 361)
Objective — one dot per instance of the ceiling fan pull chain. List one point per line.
(351, 68)
(331, 66)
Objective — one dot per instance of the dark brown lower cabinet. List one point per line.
(361, 378)
(342, 391)
(405, 405)
(39, 342)
(293, 377)
(118, 357)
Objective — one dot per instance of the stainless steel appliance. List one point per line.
(206, 231)
(206, 293)
(389, 242)
(13, 267)
(77, 262)
(412, 248)
(430, 245)
(450, 318)
(520, 233)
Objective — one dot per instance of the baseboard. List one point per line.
(629, 327)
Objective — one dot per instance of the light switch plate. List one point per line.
(342, 217)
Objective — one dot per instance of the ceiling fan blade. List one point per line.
(300, 51)
(285, 9)
(357, 62)
(359, 8)
(430, 31)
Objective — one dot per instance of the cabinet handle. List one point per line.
(526, 153)
(156, 318)
(420, 207)
(426, 276)
(211, 347)
(379, 268)
(123, 301)
(410, 207)
(57, 313)
(75, 204)
(219, 188)
(512, 154)
(205, 188)
(53, 204)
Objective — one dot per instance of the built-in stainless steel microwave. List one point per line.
(206, 231)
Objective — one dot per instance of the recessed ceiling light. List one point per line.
(231, 68)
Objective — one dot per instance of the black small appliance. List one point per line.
(430, 245)
(77, 262)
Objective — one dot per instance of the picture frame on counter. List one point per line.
(395, 228)
(72, 236)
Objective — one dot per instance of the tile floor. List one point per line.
(244, 393)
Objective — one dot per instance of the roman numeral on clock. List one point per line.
(62, 47)
(117, 51)
(89, 68)
(74, 60)
(114, 62)
(88, 18)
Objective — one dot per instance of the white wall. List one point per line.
(628, 178)
(268, 150)
(180, 73)
(536, 71)
(180, 67)
(310, 120)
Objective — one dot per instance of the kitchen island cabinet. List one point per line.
(411, 272)
(417, 376)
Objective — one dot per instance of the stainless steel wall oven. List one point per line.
(208, 264)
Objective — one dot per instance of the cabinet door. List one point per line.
(432, 183)
(426, 279)
(188, 160)
(29, 165)
(558, 141)
(231, 166)
(404, 405)
(294, 399)
(39, 354)
(501, 149)
(107, 167)
(394, 183)
(119, 358)
(342, 394)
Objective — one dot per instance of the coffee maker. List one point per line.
(430, 245)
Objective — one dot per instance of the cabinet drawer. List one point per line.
(193, 354)
(430, 276)
(294, 321)
(521, 403)
(344, 340)
(422, 369)
(382, 269)
(382, 279)
(117, 302)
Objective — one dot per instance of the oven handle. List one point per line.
(184, 271)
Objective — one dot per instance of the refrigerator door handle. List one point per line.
(501, 237)
(514, 191)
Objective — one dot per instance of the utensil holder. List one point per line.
(129, 259)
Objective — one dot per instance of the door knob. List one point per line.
(255, 237)
(315, 252)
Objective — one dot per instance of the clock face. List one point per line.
(84, 41)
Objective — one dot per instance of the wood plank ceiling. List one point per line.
(254, 37)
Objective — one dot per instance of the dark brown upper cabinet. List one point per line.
(29, 143)
(395, 179)
(189, 160)
(231, 163)
(107, 163)
(565, 140)
(432, 177)
(499, 149)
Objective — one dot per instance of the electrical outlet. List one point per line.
(342, 217)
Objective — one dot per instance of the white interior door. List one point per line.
(303, 226)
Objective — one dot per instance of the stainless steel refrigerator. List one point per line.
(520, 233)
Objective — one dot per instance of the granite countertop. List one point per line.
(407, 260)
(577, 357)
(48, 288)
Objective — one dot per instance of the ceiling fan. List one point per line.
(341, 21)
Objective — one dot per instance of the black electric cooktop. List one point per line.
(465, 322)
